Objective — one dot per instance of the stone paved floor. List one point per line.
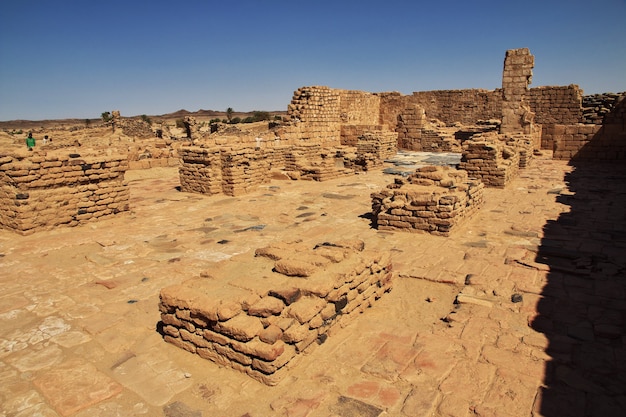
(520, 312)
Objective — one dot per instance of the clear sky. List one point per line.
(77, 59)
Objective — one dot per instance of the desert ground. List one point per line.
(481, 323)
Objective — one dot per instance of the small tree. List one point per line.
(146, 119)
(229, 114)
(260, 116)
(106, 116)
(87, 122)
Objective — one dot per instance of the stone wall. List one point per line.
(315, 114)
(350, 133)
(40, 191)
(489, 159)
(596, 106)
(374, 148)
(410, 123)
(153, 153)
(358, 107)
(459, 106)
(433, 199)
(225, 170)
(556, 105)
(256, 315)
(606, 142)
(517, 117)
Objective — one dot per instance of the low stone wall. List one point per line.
(314, 162)
(433, 199)
(40, 191)
(374, 148)
(588, 142)
(524, 145)
(152, 154)
(490, 160)
(261, 312)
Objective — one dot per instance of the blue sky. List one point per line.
(68, 58)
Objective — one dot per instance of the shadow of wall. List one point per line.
(583, 307)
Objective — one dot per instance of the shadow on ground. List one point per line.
(582, 311)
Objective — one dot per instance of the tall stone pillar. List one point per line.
(517, 75)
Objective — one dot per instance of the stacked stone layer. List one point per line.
(316, 110)
(490, 160)
(596, 106)
(524, 145)
(289, 298)
(433, 199)
(42, 191)
(410, 124)
(517, 117)
(556, 105)
(350, 133)
(374, 148)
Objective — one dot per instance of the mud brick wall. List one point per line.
(490, 160)
(289, 298)
(433, 199)
(41, 191)
(556, 105)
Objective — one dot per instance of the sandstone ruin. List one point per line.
(262, 312)
(330, 133)
(290, 298)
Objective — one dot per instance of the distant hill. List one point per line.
(55, 123)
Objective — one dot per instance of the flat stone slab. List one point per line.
(75, 385)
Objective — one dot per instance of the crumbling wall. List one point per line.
(314, 162)
(291, 295)
(42, 191)
(596, 106)
(433, 199)
(489, 159)
(153, 153)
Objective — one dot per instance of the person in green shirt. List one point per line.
(30, 141)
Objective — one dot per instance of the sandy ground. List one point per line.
(79, 309)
